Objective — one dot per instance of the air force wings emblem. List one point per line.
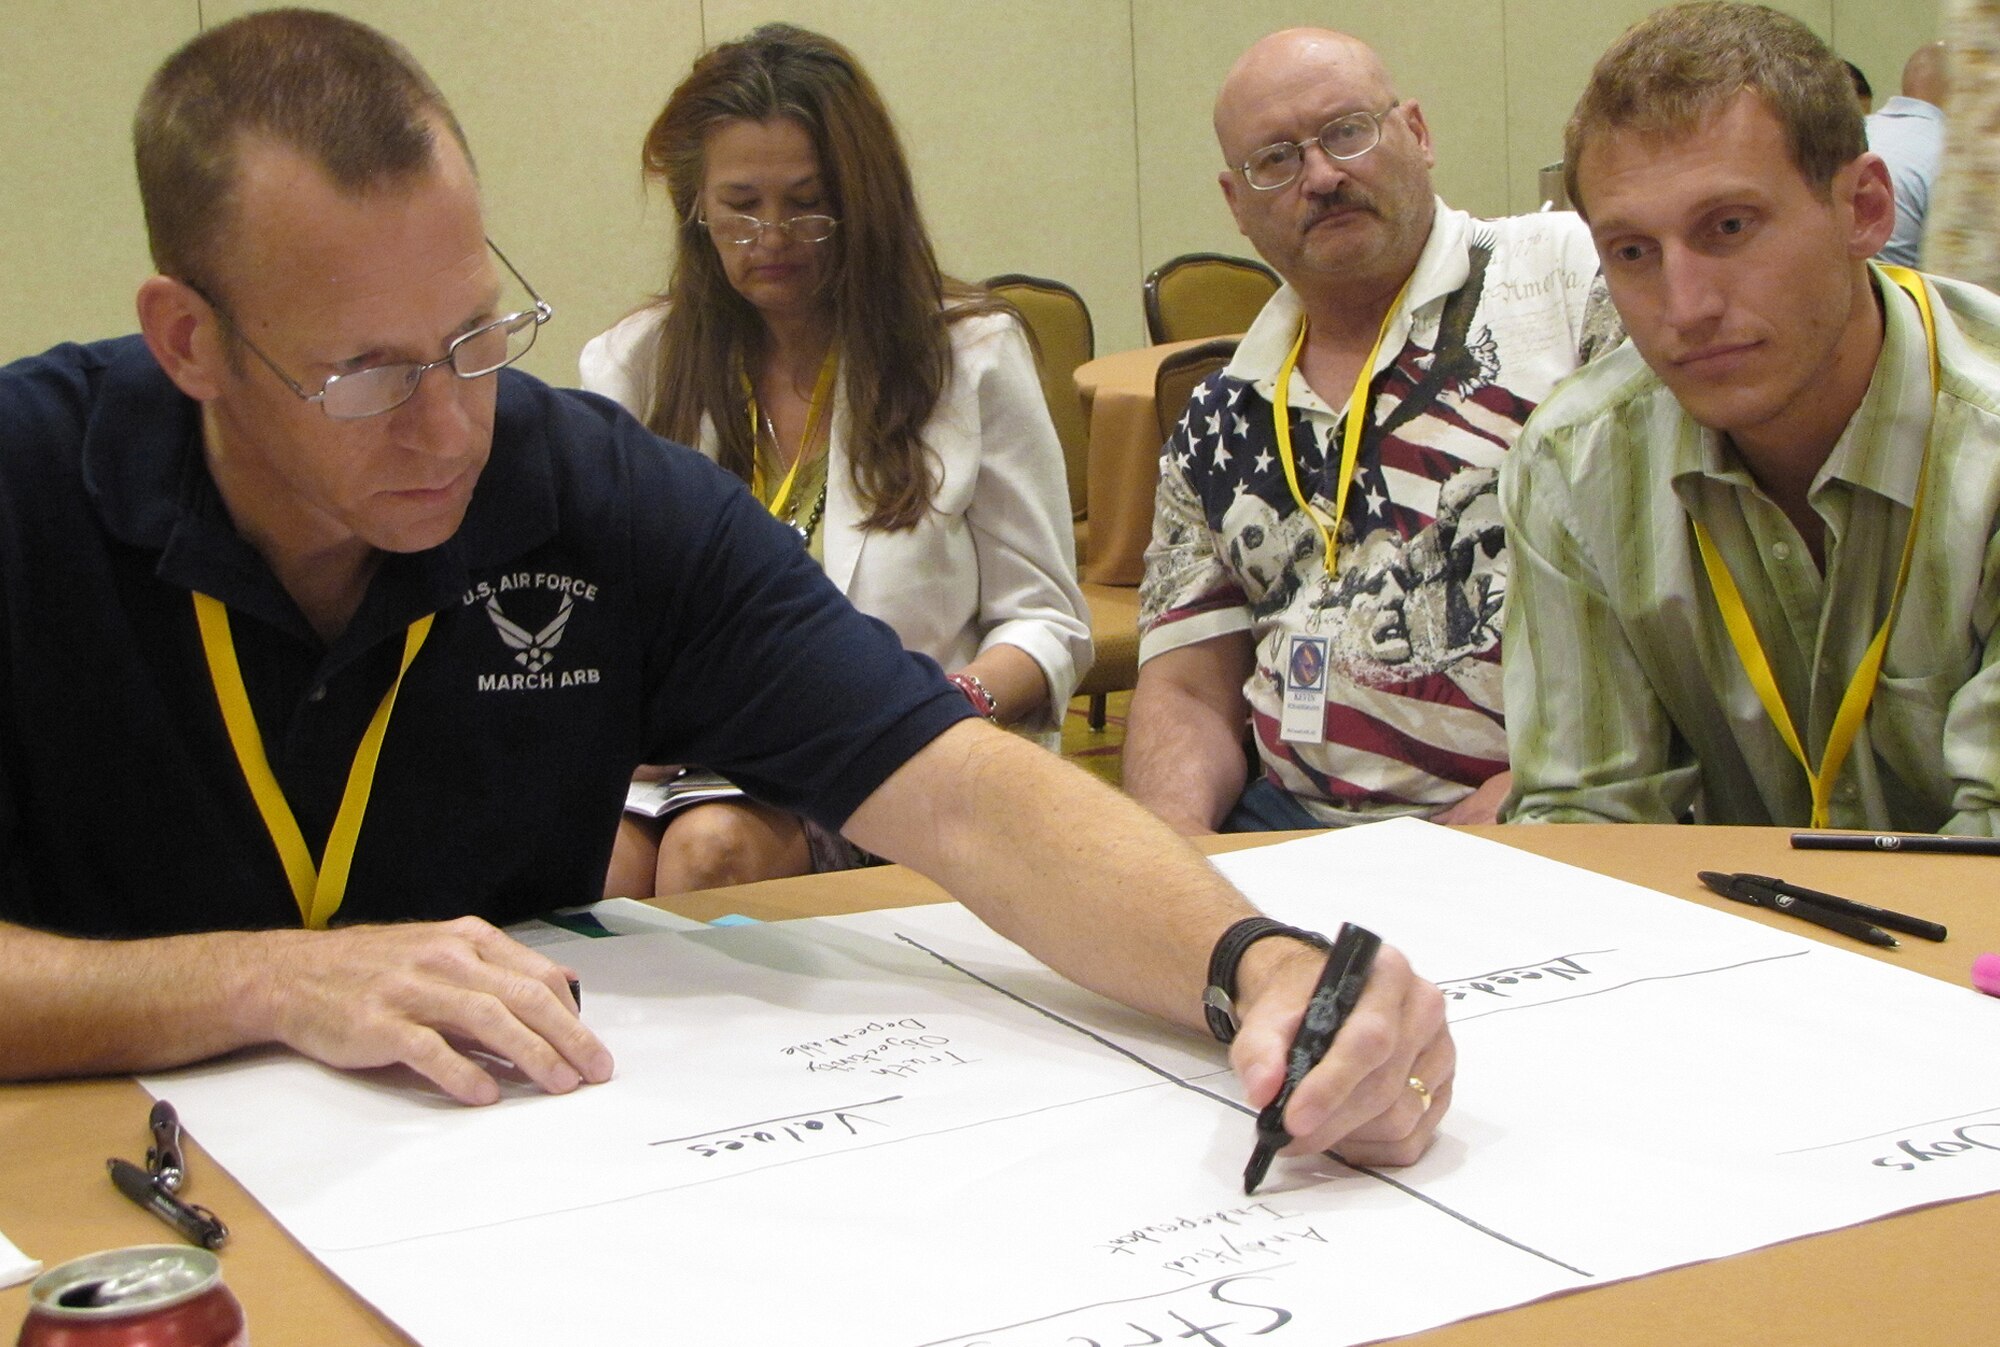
(532, 649)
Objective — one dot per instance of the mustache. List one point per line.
(1347, 196)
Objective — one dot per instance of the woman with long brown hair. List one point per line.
(808, 342)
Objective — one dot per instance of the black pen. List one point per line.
(1962, 846)
(1333, 999)
(1756, 895)
(197, 1224)
(1881, 916)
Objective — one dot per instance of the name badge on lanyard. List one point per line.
(1302, 719)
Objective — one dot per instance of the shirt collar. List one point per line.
(1441, 269)
(1882, 448)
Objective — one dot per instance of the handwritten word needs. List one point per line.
(896, 1048)
(1534, 975)
(1972, 1137)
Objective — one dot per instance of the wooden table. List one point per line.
(1125, 443)
(1918, 1279)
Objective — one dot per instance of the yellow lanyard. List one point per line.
(822, 391)
(318, 891)
(1350, 447)
(1861, 690)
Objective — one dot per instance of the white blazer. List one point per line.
(994, 562)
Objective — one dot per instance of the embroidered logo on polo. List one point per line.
(530, 631)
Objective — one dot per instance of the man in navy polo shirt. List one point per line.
(324, 640)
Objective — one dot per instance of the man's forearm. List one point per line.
(1183, 756)
(1059, 863)
(87, 1007)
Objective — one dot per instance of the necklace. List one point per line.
(791, 507)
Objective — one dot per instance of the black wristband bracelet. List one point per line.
(1218, 1001)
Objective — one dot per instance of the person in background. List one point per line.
(1755, 576)
(1345, 610)
(1909, 135)
(1864, 92)
(808, 342)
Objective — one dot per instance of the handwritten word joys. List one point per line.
(1230, 1312)
(895, 1048)
(1507, 981)
(1972, 1137)
(780, 1135)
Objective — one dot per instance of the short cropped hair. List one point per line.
(1678, 65)
(334, 91)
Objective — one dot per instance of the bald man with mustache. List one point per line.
(1389, 374)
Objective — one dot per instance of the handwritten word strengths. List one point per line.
(1232, 1311)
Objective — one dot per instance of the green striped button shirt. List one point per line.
(1626, 701)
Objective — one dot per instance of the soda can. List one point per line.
(151, 1295)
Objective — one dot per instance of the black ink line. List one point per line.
(808, 1156)
(1599, 991)
(1535, 965)
(1429, 1201)
(1227, 1102)
(1072, 1025)
(1877, 1136)
(809, 1113)
(1182, 1289)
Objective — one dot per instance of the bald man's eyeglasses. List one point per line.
(1347, 137)
(485, 350)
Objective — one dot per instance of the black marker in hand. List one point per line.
(1332, 1002)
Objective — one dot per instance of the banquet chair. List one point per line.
(1205, 295)
(1174, 382)
(1063, 338)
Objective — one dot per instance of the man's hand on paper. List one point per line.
(425, 995)
(1359, 1100)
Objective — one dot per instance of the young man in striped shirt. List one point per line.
(1755, 578)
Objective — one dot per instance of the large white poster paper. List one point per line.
(897, 1129)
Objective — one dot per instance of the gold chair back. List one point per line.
(1205, 295)
(1175, 380)
(1063, 338)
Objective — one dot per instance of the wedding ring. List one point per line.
(1423, 1092)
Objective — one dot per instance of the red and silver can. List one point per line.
(151, 1295)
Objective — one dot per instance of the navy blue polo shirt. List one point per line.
(609, 600)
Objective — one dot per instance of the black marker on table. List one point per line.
(1948, 844)
(1333, 1000)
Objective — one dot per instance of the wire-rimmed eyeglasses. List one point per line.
(747, 229)
(487, 349)
(1347, 137)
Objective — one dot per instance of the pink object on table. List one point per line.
(1986, 974)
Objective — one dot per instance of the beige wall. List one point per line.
(1068, 138)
